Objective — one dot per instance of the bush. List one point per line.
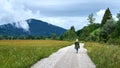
(114, 41)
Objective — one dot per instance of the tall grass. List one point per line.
(103, 55)
(24, 53)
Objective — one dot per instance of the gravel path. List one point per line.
(67, 58)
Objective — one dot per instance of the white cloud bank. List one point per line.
(78, 22)
(99, 15)
(67, 22)
(15, 12)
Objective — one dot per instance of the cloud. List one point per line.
(99, 15)
(22, 24)
(67, 22)
(18, 11)
(63, 13)
(15, 12)
(56, 8)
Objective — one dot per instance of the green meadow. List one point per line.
(24, 53)
(104, 55)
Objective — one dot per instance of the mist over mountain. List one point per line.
(36, 28)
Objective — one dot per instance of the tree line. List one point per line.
(28, 37)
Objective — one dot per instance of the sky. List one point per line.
(63, 13)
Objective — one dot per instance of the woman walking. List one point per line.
(77, 45)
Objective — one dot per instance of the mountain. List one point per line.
(36, 28)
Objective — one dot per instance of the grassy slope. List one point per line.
(24, 53)
(103, 55)
(96, 30)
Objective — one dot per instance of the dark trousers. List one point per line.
(76, 50)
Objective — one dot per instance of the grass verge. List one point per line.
(103, 55)
(24, 53)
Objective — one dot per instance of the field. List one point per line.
(24, 53)
(103, 55)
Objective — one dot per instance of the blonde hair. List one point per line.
(77, 40)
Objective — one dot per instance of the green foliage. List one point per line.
(115, 35)
(118, 16)
(104, 56)
(69, 35)
(94, 36)
(106, 16)
(91, 19)
(84, 34)
(53, 36)
(107, 30)
(116, 32)
(115, 41)
(22, 37)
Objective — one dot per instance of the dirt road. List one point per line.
(67, 58)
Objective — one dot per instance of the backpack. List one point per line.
(77, 45)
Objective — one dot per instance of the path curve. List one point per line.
(67, 58)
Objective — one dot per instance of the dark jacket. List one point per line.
(77, 45)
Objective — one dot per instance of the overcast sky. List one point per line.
(63, 13)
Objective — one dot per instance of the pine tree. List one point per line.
(91, 19)
(72, 28)
(107, 16)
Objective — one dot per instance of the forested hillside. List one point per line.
(108, 31)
